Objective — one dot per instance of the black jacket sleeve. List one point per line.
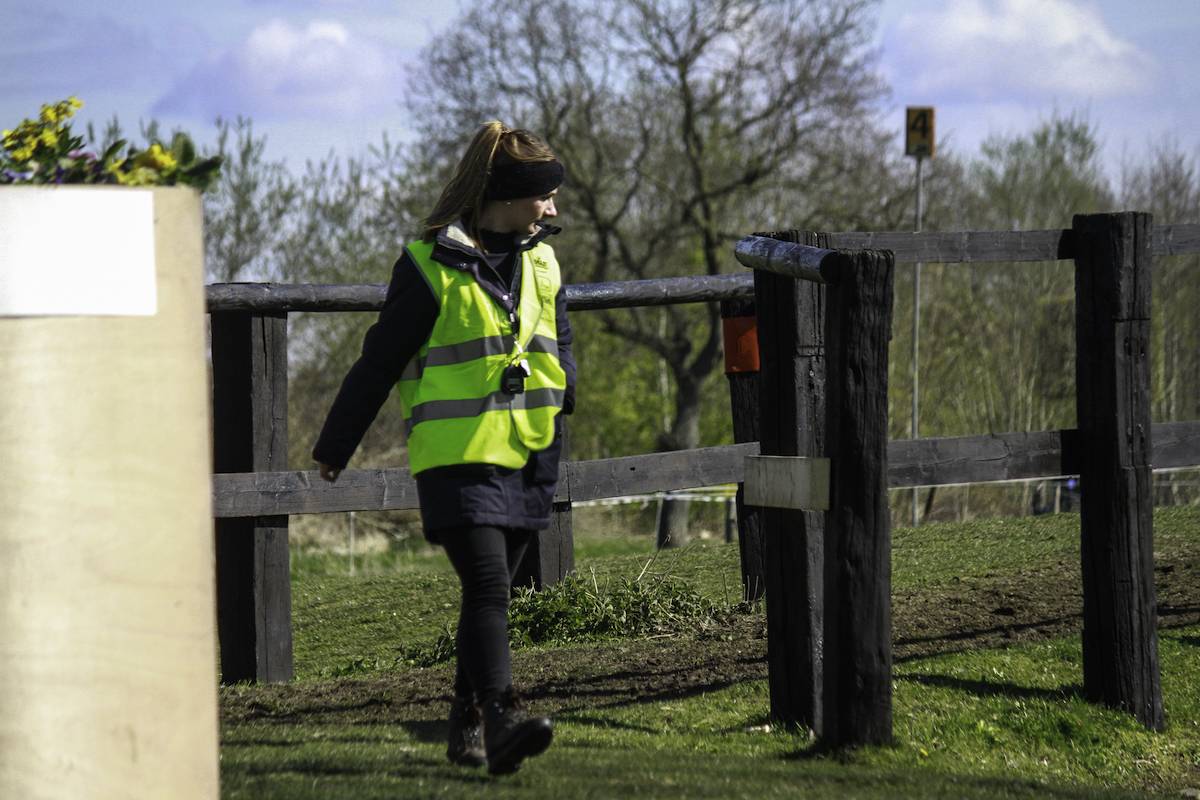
(404, 324)
(565, 357)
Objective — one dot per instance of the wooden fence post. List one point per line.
(1112, 324)
(858, 642)
(791, 336)
(254, 610)
(551, 553)
(742, 366)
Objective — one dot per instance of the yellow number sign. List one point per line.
(918, 131)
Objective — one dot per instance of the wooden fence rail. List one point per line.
(275, 298)
(962, 247)
(911, 462)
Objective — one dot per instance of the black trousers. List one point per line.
(486, 559)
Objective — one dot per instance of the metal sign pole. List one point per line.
(916, 344)
(918, 142)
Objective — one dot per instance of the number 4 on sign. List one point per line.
(918, 132)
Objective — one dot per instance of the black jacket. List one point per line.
(469, 494)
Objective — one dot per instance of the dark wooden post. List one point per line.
(1112, 324)
(551, 553)
(254, 599)
(791, 316)
(742, 367)
(858, 627)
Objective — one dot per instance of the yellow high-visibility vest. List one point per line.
(455, 411)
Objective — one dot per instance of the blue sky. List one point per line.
(317, 75)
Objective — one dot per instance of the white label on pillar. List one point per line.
(787, 482)
(76, 251)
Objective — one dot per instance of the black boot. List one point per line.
(510, 734)
(466, 734)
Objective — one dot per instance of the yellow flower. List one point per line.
(23, 154)
(138, 176)
(49, 114)
(74, 102)
(49, 138)
(156, 158)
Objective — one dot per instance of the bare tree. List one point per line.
(684, 124)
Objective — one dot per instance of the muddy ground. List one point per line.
(984, 612)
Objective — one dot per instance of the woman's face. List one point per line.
(526, 212)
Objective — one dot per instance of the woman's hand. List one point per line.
(329, 473)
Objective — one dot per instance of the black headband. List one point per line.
(524, 179)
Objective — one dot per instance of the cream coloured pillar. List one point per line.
(107, 645)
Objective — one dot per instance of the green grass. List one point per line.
(939, 552)
(1004, 723)
(686, 716)
(401, 600)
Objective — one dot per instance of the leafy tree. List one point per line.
(1168, 186)
(246, 218)
(351, 222)
(1003, 334)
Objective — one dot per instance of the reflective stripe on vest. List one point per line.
(450, 409)
(468, 351)
(454, 409)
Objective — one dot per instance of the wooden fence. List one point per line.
(829, 627)
(254, 490)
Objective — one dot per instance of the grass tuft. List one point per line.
(578, 609)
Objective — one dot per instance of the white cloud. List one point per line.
(1008, 49)
(281, 70)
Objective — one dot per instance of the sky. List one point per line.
(321, 76)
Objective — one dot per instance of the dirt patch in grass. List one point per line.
(970, 613)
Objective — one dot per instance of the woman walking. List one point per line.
(474, 333)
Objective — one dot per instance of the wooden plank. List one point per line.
(1175, 444)
(1019, 456)
(981, 459)
(550, 556)
(743, 404)
(261, 494)
(794, 482)
(659, 291)
(790, 258)
(1112, 313)
(1176, 240)
(250, 435)
(658, 472)
(858, 641)
(273, 298)
(961, 246)
(256, 494)
(792, 423)
(919, 462)
(974, 246)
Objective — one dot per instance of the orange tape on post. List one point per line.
(741, 344)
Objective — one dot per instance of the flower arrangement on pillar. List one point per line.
(46, 151)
